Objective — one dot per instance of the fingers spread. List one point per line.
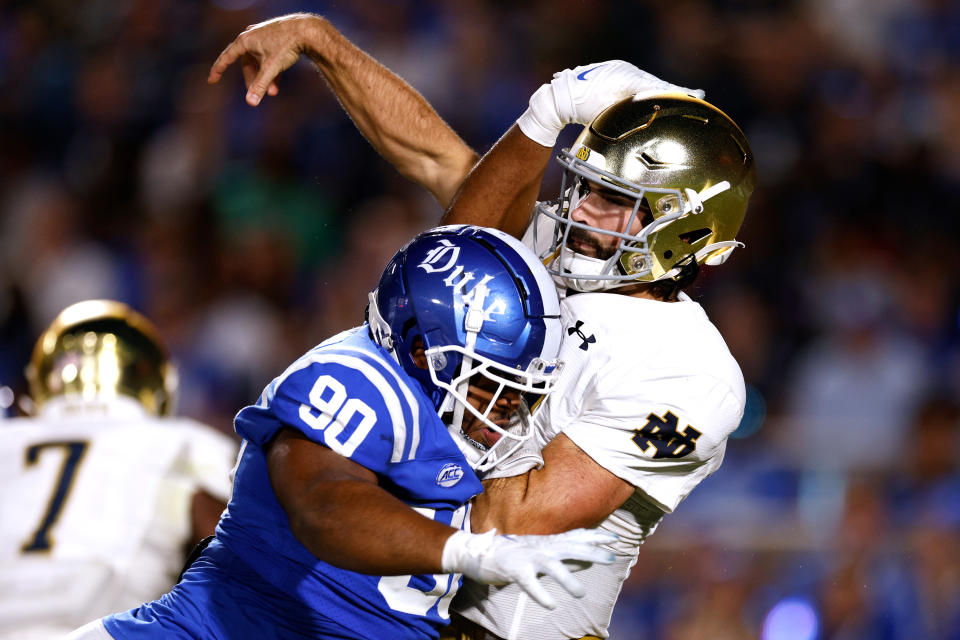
(227, 57)
(587, 536)
(528, 582)
(556, 570)
(263, 81)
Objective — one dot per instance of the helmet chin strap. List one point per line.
(727, 246)
(578, 263)
(379, 327)
(472, 324)
(581, 264)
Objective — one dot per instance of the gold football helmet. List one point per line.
(98, 349)
(684, 165)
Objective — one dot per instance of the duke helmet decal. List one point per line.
(434, 261)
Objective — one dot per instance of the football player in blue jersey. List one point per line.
(352, 488)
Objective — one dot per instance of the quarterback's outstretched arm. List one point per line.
(399, 123)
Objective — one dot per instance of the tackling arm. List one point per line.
(341, 515)
(571, 490)
(205, 512)
(399, 123)
(338, 511)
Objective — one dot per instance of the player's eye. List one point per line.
(616, 198)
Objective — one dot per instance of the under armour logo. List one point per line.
(587, 340)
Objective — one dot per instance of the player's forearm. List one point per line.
(522, 505)
(570, 491)
(399, 123)
(360, 527)
(502, 189)
(340, 514)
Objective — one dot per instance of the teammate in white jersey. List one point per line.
(655, 188)
(101, 492)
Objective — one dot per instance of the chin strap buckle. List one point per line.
(475, 313)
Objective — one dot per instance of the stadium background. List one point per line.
(248, 235)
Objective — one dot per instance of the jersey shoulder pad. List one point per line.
(353, 401)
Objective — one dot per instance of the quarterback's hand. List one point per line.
(495, 559)
(577, 96)
(265, 50)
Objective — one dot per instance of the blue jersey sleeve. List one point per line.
(347, 402)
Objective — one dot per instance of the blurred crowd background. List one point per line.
(249, 235)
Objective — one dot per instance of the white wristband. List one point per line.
(540, 121)
(462, 549)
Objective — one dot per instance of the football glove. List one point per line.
(577, 96)
(496, 559)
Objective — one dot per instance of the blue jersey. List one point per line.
(256, 579)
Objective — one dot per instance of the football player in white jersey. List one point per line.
(655, 187)
(102, 493)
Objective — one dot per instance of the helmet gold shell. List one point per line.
(96, 350)
(690, 164)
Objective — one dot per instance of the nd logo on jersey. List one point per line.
(443, 258)
(661, 437)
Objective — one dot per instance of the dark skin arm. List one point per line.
(502, 189)
(205, 512)
(571, 490)
(336, 508)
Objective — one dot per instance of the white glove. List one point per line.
(577, 96)
(493, 559)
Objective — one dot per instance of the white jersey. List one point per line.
(650, 391)
(95, 510)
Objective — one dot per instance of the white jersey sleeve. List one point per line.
(95, 512)
(654, 395)
(650, 392)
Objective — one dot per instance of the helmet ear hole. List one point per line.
(691, 237)
(418, 353)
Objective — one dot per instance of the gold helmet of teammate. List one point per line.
(96, 350)
(685, 168)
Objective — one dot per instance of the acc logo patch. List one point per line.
(449, 475)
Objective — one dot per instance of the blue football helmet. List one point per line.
(487, 314)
